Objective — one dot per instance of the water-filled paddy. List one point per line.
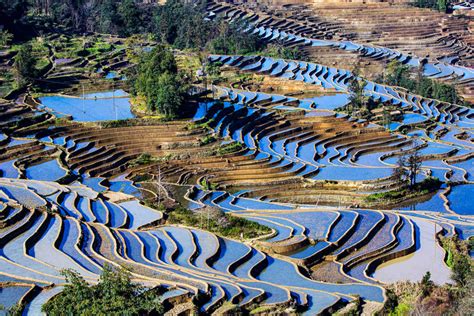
(46, 171)
(428, 257)
(460, 199)
(101, 106)
(351, 173)
(434, 203)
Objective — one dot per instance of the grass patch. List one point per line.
(229, 148)
(145, 159)
(424, 187)
(207, 140)
(219, 223)
(262, 309)
(188, 63)
(204, 125)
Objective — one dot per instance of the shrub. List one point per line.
(114, 294)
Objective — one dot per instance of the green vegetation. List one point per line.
(25, 66)
(407, 168)
(440, 5)
(145, 159)
(181, 24)
(208, 185)
(11, 14)
(156, 79)
(278, 50)
(15, 310)
(458, 259)
(114, 294)
(208, 140)
(359, 104)
(400, 75)
(216, 221)
(231, 40)
(427, 298)
(5, 37)
(204, 125)
(426, 186)
(229, 148)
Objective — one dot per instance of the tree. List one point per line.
(462, 270)
(413, 163)
(24, 66)
(114, 294)
(11, 12)
(159, 82)
(357, 98)
(130, 18)
(5, 37)
(442, 5)
(426, 284)
(387, 117)
(398, 74)
(400, 172)
(170, 95)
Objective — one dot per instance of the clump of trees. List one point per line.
(156, 78)
(114, 294)
(407, 168)
(357, 98)
(398, 74)
(11, 13)
(181, 24)
(440, 5)
(360, 105)
(184, 26)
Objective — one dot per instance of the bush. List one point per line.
(114, 294)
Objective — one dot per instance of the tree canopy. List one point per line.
(158, 81)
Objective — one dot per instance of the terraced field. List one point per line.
(75, 192)
(338, 32)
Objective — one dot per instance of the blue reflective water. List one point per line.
(434, 203)
(46, 171)
(8, 169)
(90, 110)
(460, 199)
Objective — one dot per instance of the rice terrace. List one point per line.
(236, 157)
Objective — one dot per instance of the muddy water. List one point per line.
(429, 256)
